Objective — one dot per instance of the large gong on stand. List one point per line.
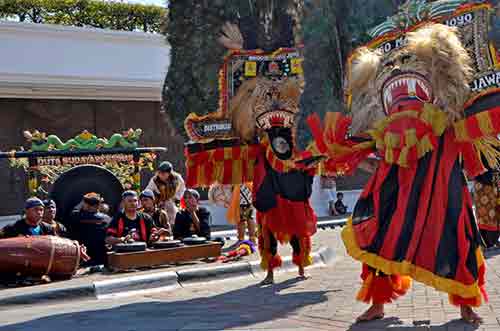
(69, 189)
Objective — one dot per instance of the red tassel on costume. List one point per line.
(382, 289)
(314, 123)
(472, 162)
(475, 301)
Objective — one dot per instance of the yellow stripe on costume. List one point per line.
(403, 157)
(461, 131)
(484, 122)
(405, 268)
(424, 146)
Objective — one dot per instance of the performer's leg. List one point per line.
(466, 304)
(251, 225)
(301, 253)
(241, 230)
(379, 289)
(268, 246)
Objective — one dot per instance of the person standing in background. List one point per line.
(168, 187)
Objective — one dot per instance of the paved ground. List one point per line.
(323, 302)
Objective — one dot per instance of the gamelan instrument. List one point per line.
(39, 255)
(160, 256)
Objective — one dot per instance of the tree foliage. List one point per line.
(332, 29)
(91, 13)
(194, 26)
(329, 29)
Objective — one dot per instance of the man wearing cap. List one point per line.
(89, 228)
(193, 220)
(168, 187)
(49, 218)
(160, 217)
(31, 224)
(131, 224)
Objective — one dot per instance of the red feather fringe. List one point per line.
(476, 301)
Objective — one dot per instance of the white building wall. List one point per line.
(52, 61)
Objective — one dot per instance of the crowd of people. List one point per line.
(149, 216)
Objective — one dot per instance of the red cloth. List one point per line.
(289, 218)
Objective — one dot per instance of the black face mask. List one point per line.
(281, 142)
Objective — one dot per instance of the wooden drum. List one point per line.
(39, 255)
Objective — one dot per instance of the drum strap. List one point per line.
(52, 252)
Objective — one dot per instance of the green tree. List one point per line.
(92, 13)
(332, 29)
(196, 56)
(329, 29)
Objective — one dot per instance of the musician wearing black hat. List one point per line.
(89, 228)
(31, 224)
(132, 225)
(168, 187)
(49, 218)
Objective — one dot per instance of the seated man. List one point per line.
(49, 218)
(160, 217)
(88, 226)
(31, 224)
(340, 208)
(193, 220)
(131, 224)
(104, 208)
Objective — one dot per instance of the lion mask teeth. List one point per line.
(403, 87)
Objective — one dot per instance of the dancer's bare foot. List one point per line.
(468, 315)
(45, 279)
(269, 280)
(302, 273)
(375, 312)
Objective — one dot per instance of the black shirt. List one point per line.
(184, 226)
(89, 228)
(59, 229)
(340, 208)
(122, 226)
(21, 228)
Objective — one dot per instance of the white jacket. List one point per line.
(180, 189)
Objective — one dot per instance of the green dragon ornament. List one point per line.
(40, 142)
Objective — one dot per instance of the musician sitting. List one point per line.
(49, 217)
(31, 224)
(193, 220)
(132, 225)
(160, 216)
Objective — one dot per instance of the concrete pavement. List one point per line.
(326, 301)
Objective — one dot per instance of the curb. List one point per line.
(196, 275)
(66, 294)
(159, 281)
(134, 284)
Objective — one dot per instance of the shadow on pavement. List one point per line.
(395, 324)
(234, 309)
(491, 252)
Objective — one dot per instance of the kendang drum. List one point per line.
(39, 255)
